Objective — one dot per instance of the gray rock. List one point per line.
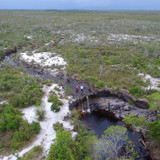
(113, 107)
(127, 108)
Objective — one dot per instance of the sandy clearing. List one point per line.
(44, 59)
(132, 38)
(154, 82)
(47, 133)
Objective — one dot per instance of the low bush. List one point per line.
(34, 153)
(40, 112)
(54, 99)
(58, 126)
(135, 121)
(137, 91)
(55, 107)
(154, 101)
(19, 89)
(14, 131)
(154, 131)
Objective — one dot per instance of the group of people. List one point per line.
(77, 89)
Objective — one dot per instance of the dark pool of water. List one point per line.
(99, 123)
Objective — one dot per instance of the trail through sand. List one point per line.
(47, 133)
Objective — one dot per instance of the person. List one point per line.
(62, 88)
(77, 89)
(82, 88)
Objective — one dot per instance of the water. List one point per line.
(88, 107)
(57, 78)
(99, 123)
(95, 122)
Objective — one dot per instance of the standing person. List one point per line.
(82, 88)
(62, 89)
(77, 89)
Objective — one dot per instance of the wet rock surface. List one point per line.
(116, 103)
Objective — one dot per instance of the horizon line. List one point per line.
(80, 9)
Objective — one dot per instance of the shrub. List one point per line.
(35, 127)
(154, 101)
(136, 91)
(115, 139)
(154, 131)
(53, 98)
(135, 121)
(57, 89)
(55, 107)
(40, 112)
(34, 153)
(10, 119)
(58, 126)
(63, 147)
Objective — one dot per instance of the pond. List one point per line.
(98, 123)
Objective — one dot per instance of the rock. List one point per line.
(117, 115)
(141, 103)
(123, 115)
(113, 107)
(127, 108)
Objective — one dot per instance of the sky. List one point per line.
(81, 4)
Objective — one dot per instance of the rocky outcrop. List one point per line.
(119, 104)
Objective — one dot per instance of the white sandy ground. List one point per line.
(82, 37)
(29, 36)
(132, 38)
(154, 82)
(44, 59)
(3, 102)
(47, 133)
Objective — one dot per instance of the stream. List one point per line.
(95, 121)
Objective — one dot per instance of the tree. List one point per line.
(63, 147)
(114, 145)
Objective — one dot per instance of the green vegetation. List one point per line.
(90, 49)
(64, 147)
(151, 128)
(18, 88)
(135, 121)
(56, 103)
(106, 49)
(34, 153)
(111, 143)
(40, 112)
(58, 126)
(154, 132)
(54, 99)
(14, 131)
(55, 107)
(154, 101)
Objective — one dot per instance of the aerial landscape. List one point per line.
(79, 81)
